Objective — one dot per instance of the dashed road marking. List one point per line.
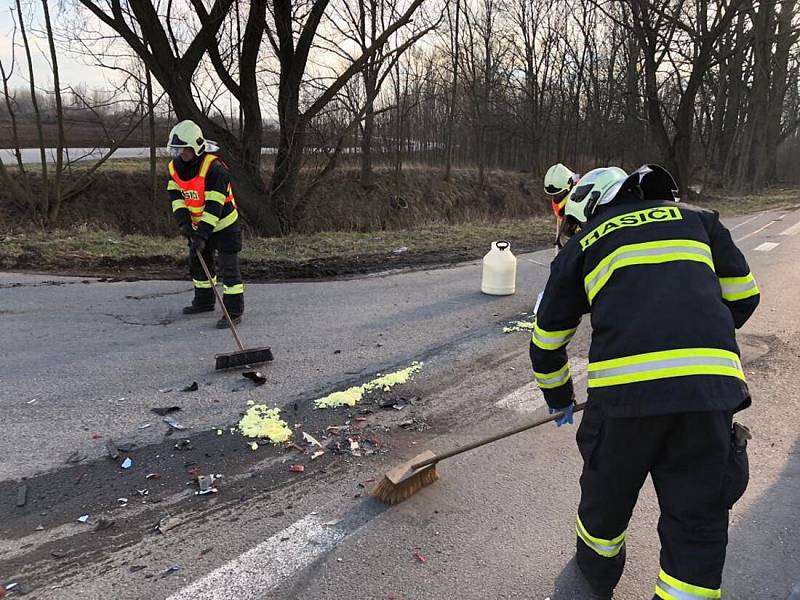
(743, 223)
(759, 230)
(791, 230)
(766, 247)
(268, 564)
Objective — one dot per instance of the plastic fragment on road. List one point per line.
(192, 387)
(519, 326)
(145, 426)
(219, 431)
(153, 476)
(122, 501)
(262, 422)
(297, 469)
(83, 519)
(183, 445)
(255, 376)
(171, 570)
(420, 557)
(205, 484)
(317, 454)
(353, 395)
(311, 439)
(253, 446)
(173, 423)
(127, 463)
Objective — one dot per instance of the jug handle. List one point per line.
(502, 245)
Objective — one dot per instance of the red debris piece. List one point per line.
(194, 471)
(419, 556)
(153, 476)
(2, 591)
(361, 419)
(297, 469)
(370, 480)
(95, 436)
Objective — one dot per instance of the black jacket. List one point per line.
(666, 287)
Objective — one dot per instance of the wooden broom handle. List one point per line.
(221, 303)
(494, 438)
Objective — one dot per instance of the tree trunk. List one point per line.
(55, 203)
(451, 108)
(151, 122)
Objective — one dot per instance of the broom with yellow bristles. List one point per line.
(407, 479)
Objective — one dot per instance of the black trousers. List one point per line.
(227, 244)
(698, 474)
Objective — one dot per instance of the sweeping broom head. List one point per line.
(248, 356)
(403, 481)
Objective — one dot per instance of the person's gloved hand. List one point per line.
(186, 231)
(566, 417)
(198, 244)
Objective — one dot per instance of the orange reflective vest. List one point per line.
(194, 193)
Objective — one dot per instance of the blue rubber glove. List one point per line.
(566, 417)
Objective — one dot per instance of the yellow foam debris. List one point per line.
(260, 421)
(519, 326)
(353, 395)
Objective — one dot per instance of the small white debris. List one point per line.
(83, 519)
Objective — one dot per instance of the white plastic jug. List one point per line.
(499, 270)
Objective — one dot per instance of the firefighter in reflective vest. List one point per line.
(205, 210)
(666, 288)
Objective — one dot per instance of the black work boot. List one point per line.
(197, 308)
(223, 322)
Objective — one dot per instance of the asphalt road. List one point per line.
(500, 524)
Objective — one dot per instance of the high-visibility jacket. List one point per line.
(666, 287)
(211, 208)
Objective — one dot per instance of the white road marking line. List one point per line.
(265, 566)
(743, 223)
(766, 247)
(791, 230)
(529, 397)
(759, 230)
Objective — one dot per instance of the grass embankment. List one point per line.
(522, 218)
(311, 255)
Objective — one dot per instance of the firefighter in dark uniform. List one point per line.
(666, 288)
(205, 210)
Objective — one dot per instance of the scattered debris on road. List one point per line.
(520, 325)
(317, 454)
(22, 495)
(253, 446)
(163, 411)
(123, 502)
(311, 439)
(127, 463)
(145, 426)
(173, 424)
(420, 557)
(97, 436)
(171, 570)
(297, 469)
(400, 250)
(183, 445)
(255, 376)
(193, 387)
(153, 476)
(83, 519)
(205, 484)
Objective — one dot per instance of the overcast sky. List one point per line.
(72, 72)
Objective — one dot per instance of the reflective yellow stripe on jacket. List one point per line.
(738, 288)
(670, 588)
(647, 253)
(548, 381)
(551, 340)
(665, 364)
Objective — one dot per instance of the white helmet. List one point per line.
(559, 179)
(186, 134)
(597, 187)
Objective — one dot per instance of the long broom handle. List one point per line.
(219, 300)
(494, 438)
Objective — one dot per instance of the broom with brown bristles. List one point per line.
(407, 479)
